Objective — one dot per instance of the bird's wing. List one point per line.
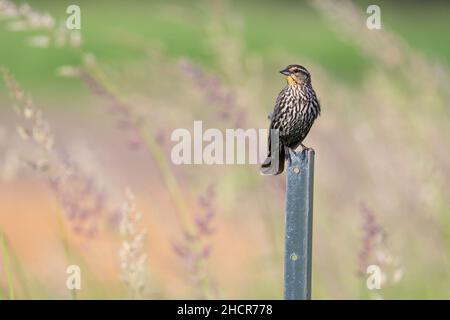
(316, 102)
(278, 109)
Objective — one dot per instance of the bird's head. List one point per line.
(296, 74)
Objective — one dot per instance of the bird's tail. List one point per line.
(274, 163)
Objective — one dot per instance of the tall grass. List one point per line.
(6, 266)
(91, 74)
(132, 254)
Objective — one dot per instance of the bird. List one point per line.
(296, 109)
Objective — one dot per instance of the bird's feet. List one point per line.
(287, 153)
(304, 147)
(306, 150)
(290, 153)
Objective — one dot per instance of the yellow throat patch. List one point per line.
(291, 80)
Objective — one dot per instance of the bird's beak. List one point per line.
(286, 72)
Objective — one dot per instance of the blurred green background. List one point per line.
(119, 33)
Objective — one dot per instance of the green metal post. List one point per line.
(299, 221)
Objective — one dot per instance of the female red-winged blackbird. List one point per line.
(295, 110)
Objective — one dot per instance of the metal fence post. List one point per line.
(299, 219)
